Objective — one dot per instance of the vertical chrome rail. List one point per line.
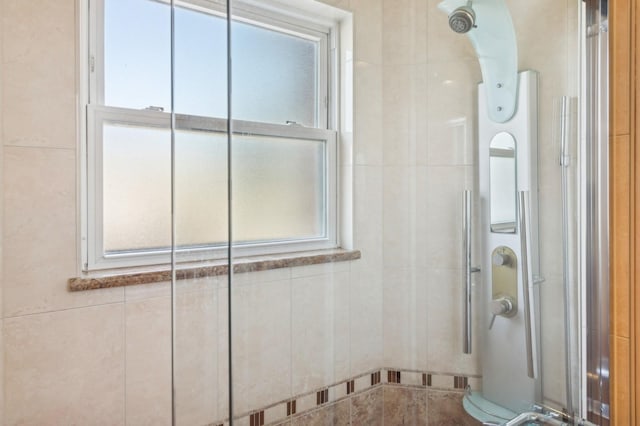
(466, 232)
(565, 161)
(523, 216)
(468, 270)
(595, 206)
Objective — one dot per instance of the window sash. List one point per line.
(96, 258)
(96, 114)
(270, 18)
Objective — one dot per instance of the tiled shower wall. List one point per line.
(103, 356)
(422, 154)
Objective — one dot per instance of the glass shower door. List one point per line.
(337, 277)
(200, 213)
(290, 313)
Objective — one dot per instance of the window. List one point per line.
(283, 146)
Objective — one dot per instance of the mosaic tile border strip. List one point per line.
(303, 404)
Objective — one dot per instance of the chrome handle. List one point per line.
(523, 216)
(468, 270)
(502, 306)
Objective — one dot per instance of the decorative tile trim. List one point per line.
(375, 378)
(351, 387)
(257, 419)
(98, 280)
(300, 405)
(460, 382)
(322, 396)
(291, 408)
(426, 380)
(393, 376)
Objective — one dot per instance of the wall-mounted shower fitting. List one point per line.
(508, 177)
(463, 19)
(504, 284)
(489, 27)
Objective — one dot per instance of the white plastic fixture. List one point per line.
(494, 40)
(506, 381)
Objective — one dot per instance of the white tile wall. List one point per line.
(324, 270)
(39, 74)
(2, 378)
(368, 31)
(294, 329)
(405, 31)
(397, 85)
(440, 211)
(2, 409)
(196, 354)
(148, 362)
(368, 217)
(40, 228)
(368, 118)
(67, 365)
(451, 111)
(262, 327)
(444, 323)
(405, 319)
(366, 322)
(320, 340)
(399, 216)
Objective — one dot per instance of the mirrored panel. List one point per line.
(502, 163)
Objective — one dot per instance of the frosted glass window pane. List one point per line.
(274, 76)
(201, 188)
(278, 188)
(136, 188)
(137, 54)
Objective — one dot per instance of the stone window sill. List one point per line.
(137, 276)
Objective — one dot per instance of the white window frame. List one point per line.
(96, 114)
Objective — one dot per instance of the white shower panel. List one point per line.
(505, 369)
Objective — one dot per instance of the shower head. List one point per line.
(463, 19)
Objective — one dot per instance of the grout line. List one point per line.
(291, 322)
(54, 311)
(56, 148)
(383, 410)
(124, 361)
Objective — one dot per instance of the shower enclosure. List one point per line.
(305, 182)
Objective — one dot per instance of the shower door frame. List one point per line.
(595, 214)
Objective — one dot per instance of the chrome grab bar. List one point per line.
(527, 286)
(468, 270)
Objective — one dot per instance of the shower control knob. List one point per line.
(500, 259)
(501, 306)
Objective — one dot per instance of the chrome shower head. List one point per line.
(463, 19)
